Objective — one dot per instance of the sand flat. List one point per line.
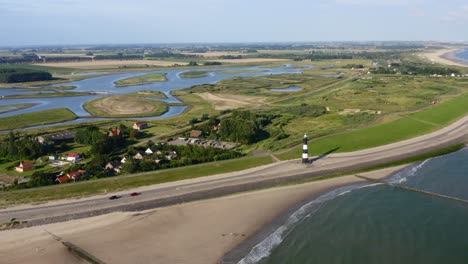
(438, 57)
(198, 232)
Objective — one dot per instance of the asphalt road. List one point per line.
(218, 185)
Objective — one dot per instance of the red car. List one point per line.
(135, 194)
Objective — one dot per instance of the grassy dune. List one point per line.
(142, 79)
(36, 118)
(406, 127)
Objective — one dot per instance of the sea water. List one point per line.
(378, 223)
(462, 55)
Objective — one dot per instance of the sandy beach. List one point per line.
(444, 56)
(198, 232)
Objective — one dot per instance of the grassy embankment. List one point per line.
(409, 126)
(149, 94)
(417, 158)
(125, 106)
(106, 185)
(194, 74)
(239, 71)
(45, 95)
(14, 107)
(142, 79)
(36, 118)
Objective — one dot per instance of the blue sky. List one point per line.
(34, 22)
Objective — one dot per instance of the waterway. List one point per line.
(104, 86)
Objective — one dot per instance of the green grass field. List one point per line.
(45, 95)
(149, 94)
(239, 71)
(194, 74)
(76, 190)
(37, 118)
(142, 79)
(14, 107)
(430, 119)
(58, 70)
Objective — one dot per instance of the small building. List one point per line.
(72, 176)
(76, 175)
(73, 157)
(113, 166)
(114, 133)
(53, 157)
(149, 151)
(196, 133)
(140, 125)
(138, 156)
(62, 179)
(123, 160)
(25, 166)
(170, 155)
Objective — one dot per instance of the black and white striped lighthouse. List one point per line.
(305, 151)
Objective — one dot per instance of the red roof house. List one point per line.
(140, 125)
(73, 157)
(72, 176)
(62, 179)
(25, 166)
(114, 133)
(196, 133)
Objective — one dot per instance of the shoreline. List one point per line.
(236, 254)
(217, 228)
(444, 56)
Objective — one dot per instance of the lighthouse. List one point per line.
(305, 151)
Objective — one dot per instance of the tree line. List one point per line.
(23, 75)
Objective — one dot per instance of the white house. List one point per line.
(149, 151)
(73, 157)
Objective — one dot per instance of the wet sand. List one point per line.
(198, 232)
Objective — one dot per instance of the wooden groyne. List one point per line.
(83, 254)
(400, 186)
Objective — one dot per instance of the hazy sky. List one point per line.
(31, 22)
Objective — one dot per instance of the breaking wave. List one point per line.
(264, 248)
